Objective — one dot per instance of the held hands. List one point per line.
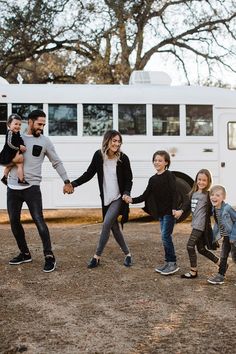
(68, 188)
(177, 213)
(127, 198)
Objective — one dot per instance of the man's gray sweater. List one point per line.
(37, 149)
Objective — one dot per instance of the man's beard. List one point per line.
(37, 133)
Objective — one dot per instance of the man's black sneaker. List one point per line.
(21, 258)
(50, 264)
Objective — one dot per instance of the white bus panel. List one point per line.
(196, 125)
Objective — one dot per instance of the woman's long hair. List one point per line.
(110, 134)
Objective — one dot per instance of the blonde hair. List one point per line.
(218, 187)
(207, 173)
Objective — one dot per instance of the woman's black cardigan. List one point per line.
(124, 177)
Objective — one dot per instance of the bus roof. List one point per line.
(135, 93)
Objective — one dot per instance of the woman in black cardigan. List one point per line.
(115, 180)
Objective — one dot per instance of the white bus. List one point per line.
(196, 125)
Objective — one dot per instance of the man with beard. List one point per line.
(37, 147)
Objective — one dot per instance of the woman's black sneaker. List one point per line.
(94, 262)
(128, 261)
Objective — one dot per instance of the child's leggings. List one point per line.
(196, 240)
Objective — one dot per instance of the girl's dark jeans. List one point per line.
(33, 198)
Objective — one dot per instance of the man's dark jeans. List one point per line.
(33, 198)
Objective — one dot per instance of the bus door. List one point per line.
(227, 154)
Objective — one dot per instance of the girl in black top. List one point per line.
(160, 199)
(11, 153)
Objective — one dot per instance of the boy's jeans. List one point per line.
(225, 250)
(167, 223)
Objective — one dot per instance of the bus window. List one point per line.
(97, 118)
(231, 136)
(23, 109)
(199, 120)
(132, 119)
(62, 119)
(165, 119)
(3, 118)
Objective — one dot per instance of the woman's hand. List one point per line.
(68, 188)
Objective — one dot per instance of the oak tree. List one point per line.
(103, 41)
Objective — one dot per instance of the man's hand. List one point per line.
(68, 188)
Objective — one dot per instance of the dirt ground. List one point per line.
(110, 309)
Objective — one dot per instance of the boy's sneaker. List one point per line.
(216, 279)
(161, 268)
(21, 258)
(171, 268)
(50, 264)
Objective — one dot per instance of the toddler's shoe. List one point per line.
(4, 180)
(23, 182)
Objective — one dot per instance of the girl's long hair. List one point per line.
(209, 181)
(110, 134)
